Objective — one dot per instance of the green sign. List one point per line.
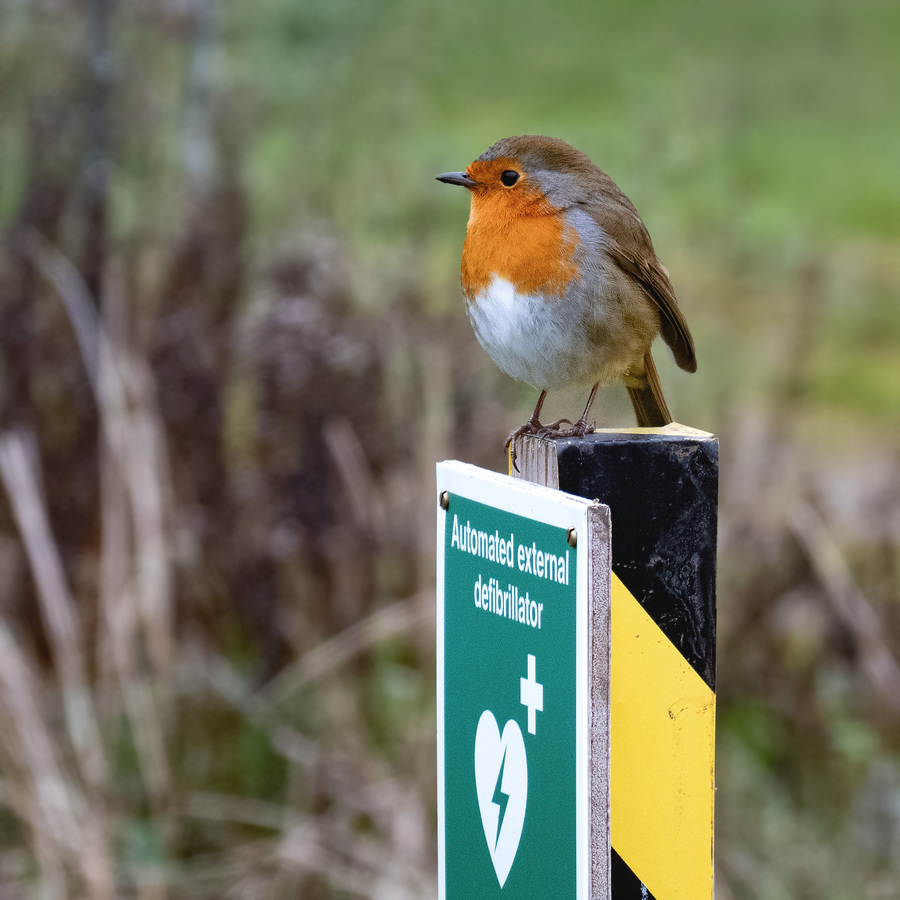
(512, 677)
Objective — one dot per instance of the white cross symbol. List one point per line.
(532, 695)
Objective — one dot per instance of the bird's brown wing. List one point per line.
(632, 250)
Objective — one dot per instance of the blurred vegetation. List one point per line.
(233, 348)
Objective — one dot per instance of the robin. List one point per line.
(561, 282)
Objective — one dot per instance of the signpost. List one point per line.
(661, 487)
(523, 636)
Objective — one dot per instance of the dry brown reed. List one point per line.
(114, 660)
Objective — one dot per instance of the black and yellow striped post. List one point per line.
(661, 485)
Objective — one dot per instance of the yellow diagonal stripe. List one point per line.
(662, 723)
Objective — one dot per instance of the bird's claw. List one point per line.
(579, 429)
(553, 430)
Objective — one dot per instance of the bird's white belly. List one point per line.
(548, 343)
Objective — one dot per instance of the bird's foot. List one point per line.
(534, 427)
(579, 429)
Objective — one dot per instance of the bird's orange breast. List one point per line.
(518, 236)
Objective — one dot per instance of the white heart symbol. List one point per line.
(501, 780)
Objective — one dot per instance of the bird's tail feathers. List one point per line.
(647, 399)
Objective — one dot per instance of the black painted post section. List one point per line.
(664, 553)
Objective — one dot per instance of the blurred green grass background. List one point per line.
(225, 686)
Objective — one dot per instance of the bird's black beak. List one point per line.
(457, 178)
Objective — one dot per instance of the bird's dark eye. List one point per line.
(509, 178)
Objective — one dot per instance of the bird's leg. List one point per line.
(582, 424)
(581, 427)
(532, 426)
(535, 416)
